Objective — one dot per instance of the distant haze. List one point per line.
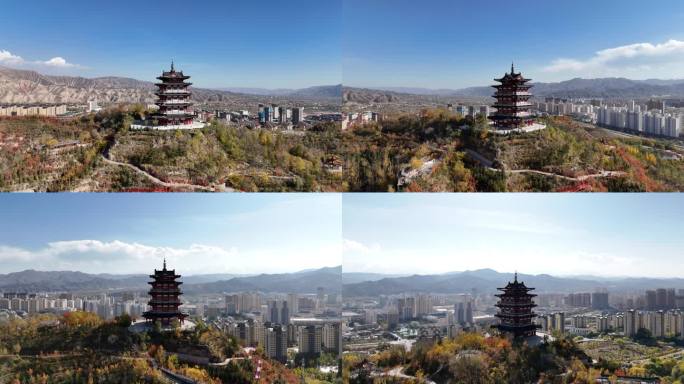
(604, 235)
(487, 280)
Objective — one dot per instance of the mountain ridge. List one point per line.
(487, 280)
(609, 87)
(60, 281)
(25, 86)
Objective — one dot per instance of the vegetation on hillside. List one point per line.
(80, 347)
(53, 155)
(474, 358)
(437, 150)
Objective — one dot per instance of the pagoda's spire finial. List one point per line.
(172, 69)
(165, 257)
(515, 277)
(512, 68)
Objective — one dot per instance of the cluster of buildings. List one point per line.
(103, 305)
(414, 307)
(659, 323)
(352, 119)
(33, 110)
(311, 336)
(280, 115)
(595, 300)
(470, 110)
(551, 322)
(421, 305)
(652, 123)
(651, 300)
(659, 311)
(304, 322)
(631, 116)
(662, 299)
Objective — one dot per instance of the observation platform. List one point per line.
(194, 125)
(528, 128)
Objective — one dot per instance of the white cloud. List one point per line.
(58, 62)
(95, 256)
(355, 246)
(119, 257)
(15, 254)
(9, 59)
(6, 57)
(658, 59)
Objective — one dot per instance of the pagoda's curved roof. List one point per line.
(172, 75)
(517, 77)
(515, 285)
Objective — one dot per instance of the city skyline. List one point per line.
(222, 44)
(464, 45)
(560, 235)
(198, 234)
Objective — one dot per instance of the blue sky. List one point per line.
(459, 43)
(198, 233)
(268, 43)
(558, 234)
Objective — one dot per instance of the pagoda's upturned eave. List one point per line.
(164, 315)
(518, 317)
(168, 84)
(513, 79)
(176, 283)
(513, 328)
(174, 116)
(166, 279)
(515, 305)
(510, 117)
(161, 103)
(174, 76)
(186, 94)
(522, 107)
(515, 288)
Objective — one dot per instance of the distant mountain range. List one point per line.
(299, 282)
(360, 277)
(323, 91)
(487, 280)
(610, 88)
(21, 86)
(59, 281)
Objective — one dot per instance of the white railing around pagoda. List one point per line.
(176, 112)
(174, 91)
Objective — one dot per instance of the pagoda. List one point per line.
(515, 310)
(512, 101)
(173, 99)
(165, 301)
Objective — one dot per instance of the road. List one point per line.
(398, 372)
(569, 178)
(675, 354)
(111, 142)
(488, 164)
(157, 181)
(170, 376)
